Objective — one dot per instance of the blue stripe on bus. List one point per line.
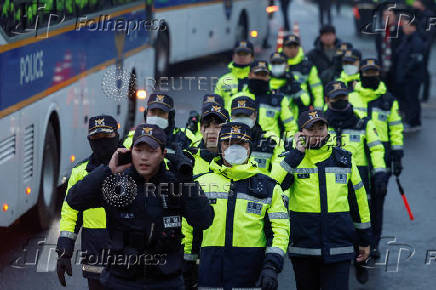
(87, 48)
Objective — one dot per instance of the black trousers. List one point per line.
(324, 9)
(408, 98)
(313, 274)
(426, 82)
(285, 10)
(94, 284)
(376, 204)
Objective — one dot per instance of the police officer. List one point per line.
(266, 147)
(161, 112)
(328, 206)
(233, 81)
(103, 139)
(350, 65)
(371, 99)
(409, 75)
(246, 243)
(359, 136)
(212, 117)
(323, 55)
(283, 82)
(303, 69)
(207, 99)
(275, 115)
(144, 206)
(424, 14)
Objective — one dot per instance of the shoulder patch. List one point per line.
(261, 185)
(342, 157)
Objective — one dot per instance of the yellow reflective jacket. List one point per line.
(350, 81)
(382, 108)
(92, 221)
(327, 203)
(231, 83)
(272, 109)
(307, 74)
(250, 228)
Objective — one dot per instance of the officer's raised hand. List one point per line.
(63, 266)
(300, 141)
(115, 165)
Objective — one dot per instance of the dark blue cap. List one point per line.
(291, 39)
(214, 99)
(160, 101)
(244, 46)
(369, 64)
(243, 105)
(335, 88)
(259, 65)
(351, 55)
(215, 110)
(102, 124)
(278, 57)
(150, 134)
(308, 118)
(235, 131)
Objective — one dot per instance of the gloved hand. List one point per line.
(63, 266)
(397, 166)
(380, 183)
(182, 163)
(190, 274)
(268, 279)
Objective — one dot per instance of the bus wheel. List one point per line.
(162, 55)
(46, 205)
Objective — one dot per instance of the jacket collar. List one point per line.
(239, 72)
(236, 172)
(205, 153)
(298, 58)
(370, 94)
(93, 163)
(347, 78)
(318, 155)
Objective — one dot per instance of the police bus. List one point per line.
(62, 61)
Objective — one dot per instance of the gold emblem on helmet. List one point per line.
(99, 122)
(148, 131)
(313, 115)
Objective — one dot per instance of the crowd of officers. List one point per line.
(289, 156)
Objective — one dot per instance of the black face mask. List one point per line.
(370, 82)
(340, 105)
(320, 144)
(240, 65)
(104, 148)
(258, 86)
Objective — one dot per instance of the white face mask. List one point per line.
(350, 69)
(158, 121)
(236, 154)
(278, 69)
(246, 120)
